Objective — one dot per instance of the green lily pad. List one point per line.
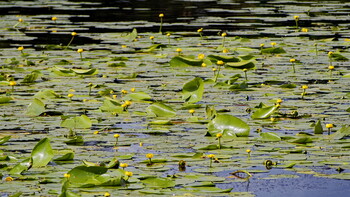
(138, 96)
(244, 64)
(46, 94)
(270, 136)
(215, 58)
(78, 122)
(158, 182)
(22, 166)
(341, 133)
(228, 125)
(192, 91)
(42, 153)
(273, 50)
(160, 110)
(264, 112)
(318, 129)
(179, 61)
(3, 140)
(5, 99)
(35, 108)
(66, 157)
(83, 176)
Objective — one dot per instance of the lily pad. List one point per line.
(42, 153)
(228, 125)
(192, 91)
(160, 110)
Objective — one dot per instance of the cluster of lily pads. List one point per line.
(166, 113)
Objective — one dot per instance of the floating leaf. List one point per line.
(35, 108)
(5, 99)
(3, 140)
(66, 157)
(111, 105)
(30, 78)
(228, 125)
(77, 140)
(158, 182)
(46, 94)
(341, 133)
(215, 58)
(178, 61)
(114, 163)
(303, 140)
(273, 50)
(42, 153)
(131, 36)
(318, 127)
(78, 122)
(264, 112)
(62, 71)
(22, 166)
(160, 110)
(243, 64)
(192, 91)
(338, 57)
(270, 136)
(83, 176)
(92, 71)
(138, 96)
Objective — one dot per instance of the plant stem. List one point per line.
(70, 42)
(293, 67)
(217, 73)
(161, 24)
(219, 143)
(211, 161)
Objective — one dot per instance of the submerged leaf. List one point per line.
(192, 91)
(228, 125)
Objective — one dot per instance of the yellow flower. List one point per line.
(224, 34)
(8, 178)
(114, 96)
(279, 101)
(248, 150)
(179, 50)
(70, 95)
(245, 70)
(107, 194)
(129, 174)
(71, 90)
(161, 15)
(116, 135)
(330, 53)
(262, 45)
(219, 135)
(124, 46)
(330, 67)
(132, 89)
(296, 18)
(304, 30)
(96, 132)
(214, 69)
(20, 48)
(127, 103)
(200, 30)
(292, 60)
(225, 51)
(80, 50)
(74, 33)
(123, 165)
(168, 34)
(191, 111)
(66, 175)
(124, 91)
(151, 37)
(13, 83)
(54, 18)
(204, 64)
(304, 87)
(273, 44)
(201, 56)
(219, 62)
(211, 156)
(149, 155)
(141, 144)
(124, 105)
(20, 20)
(347, 39)
(328, 126)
